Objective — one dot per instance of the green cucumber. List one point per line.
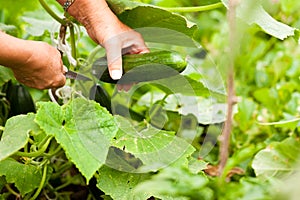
(19, 99)
(143, 67)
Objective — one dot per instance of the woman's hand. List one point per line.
(35, 64)
(107, 30)
(43, 69)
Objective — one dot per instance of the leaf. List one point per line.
(278, 159)
(252, 12)
(2, 182)
(155, 148)
(5, 74)
(12, 6)
(176, 183)
(38, 22)
(10, 29)
(120, 185)
(16, 133)
(169, 27)
(206, 110)
(183, 85)
(25, 177)
(245, 117)
(83, 128)
(196, 165)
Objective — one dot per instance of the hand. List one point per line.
(118, 39)
(105, 29)
(43, 69)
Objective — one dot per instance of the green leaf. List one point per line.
(39, 22)
(196, 166)
(278, 159)
(168, 25)
(25, 177)
(5, 74)
(245, 117)
(206, 110)
(120, 185)
(183, 85)
(176, 183)
(83, 128)
(2, 182)
(252, 12)
(155, 148)
(10, 29)
(20, 6)
(16, 134)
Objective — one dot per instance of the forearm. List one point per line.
(13, 51)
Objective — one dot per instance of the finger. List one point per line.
(65, 69)
(114, 60)
(61, 81)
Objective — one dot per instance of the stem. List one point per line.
(225, 137)
(42, 183)
(62, 169)
(54, 152)
(38, 152)
(51, 13)
(93, 53)
(73, 42)
(194, 9)
(12, 191)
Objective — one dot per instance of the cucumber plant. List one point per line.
(159, 140)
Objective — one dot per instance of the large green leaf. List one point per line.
(252, 12)
(153, 147)
(16, 134)
(278, 159)
(169, 25)
(83, 128)
(25, 177)
(120, 185)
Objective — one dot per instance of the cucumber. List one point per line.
(19, 99)
(101, 96)
(143, 67)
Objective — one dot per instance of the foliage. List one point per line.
(160, 140)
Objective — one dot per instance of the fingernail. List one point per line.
(65, 69)
(116, 74)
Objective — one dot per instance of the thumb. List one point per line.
(114, 60)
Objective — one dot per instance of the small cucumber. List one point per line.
(20, 99)
(143, 67)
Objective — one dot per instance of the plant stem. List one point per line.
(193, 9)
(12, 191)
(51, 13)
(73, 42)
(38, 152)
(231, 98)
(42, 183)
(93, 53)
